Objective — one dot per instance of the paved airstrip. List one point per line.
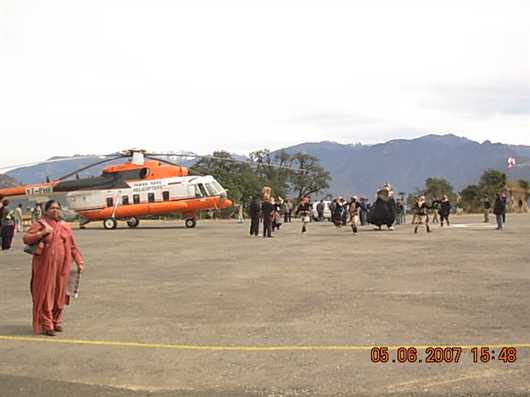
(210, 311)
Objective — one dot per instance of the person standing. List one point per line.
(51, 268)
(289, 213)
(363, 211)
(421, 214)
(239, 209)
(304, 210)
(284, 211)
(499, 208)
(36, 214)
(486, 206)
(444, 210)
(18, 218)
(399, 212)
(254, 213)
(353, 211)
(276, 214)
(8, 225)
(320, 210)
(338, 210)
(404, 212)
(266, 211)
(504, 200)
(435, 207)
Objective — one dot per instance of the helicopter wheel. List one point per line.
(190, 223)
(133, 222)
(110, 223)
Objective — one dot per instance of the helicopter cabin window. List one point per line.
(125, 200)
(110, 202)
(165, 196)
(136, 198)
(151, 197)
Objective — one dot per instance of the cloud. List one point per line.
(480, 100)
(335, 120)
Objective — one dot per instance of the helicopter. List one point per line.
(145, 185)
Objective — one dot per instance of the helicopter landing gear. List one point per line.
(190, 223)
(133, 222)
(110, 223)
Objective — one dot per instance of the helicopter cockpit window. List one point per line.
(198, 193)
(218, 187)
(212, 190)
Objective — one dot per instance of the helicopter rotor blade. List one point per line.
(115, 157)
(150, 157)
(7, 168)
(191, 155)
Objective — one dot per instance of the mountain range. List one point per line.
(407, 163)
(360, 169)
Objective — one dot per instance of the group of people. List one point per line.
(273, 212)
(499, 209)
(440, 210)
(384, 211)
(12, 221)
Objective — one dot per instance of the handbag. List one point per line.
(34, 249)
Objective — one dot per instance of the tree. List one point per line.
(525, 185)
(436, 188)
(299, 173)
(470, 198)
(310, 177)
(492, 182)
(268, 173)
(227, 172)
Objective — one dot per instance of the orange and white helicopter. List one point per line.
(146, 185)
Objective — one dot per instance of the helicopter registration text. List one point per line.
(39, 190)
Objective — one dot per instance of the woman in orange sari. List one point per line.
(51, 268)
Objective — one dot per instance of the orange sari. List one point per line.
(50, 272)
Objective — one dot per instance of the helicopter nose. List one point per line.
(227, 203)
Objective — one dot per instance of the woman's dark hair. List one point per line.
(49, 204)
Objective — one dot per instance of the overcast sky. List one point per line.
(101, 76)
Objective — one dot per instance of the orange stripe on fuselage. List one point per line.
(18, 191)
(156, 208)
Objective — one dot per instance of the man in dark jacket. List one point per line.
(266, 211)
(499, 208)
(444, 210)
(254, 212)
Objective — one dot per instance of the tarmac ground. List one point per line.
(210, 311)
